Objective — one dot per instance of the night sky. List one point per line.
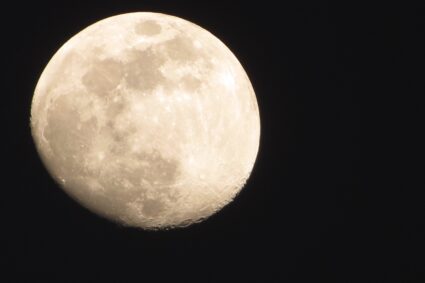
(335, 194)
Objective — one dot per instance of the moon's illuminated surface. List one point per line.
(148, 120)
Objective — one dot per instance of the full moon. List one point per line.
(148, 120)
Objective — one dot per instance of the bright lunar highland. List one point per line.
(148, 120)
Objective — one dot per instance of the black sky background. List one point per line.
(336, 192)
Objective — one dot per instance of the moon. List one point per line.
(147, 120)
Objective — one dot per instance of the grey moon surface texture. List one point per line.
(148, 120)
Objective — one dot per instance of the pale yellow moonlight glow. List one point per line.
(148, 120)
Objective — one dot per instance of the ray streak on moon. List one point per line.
(148, 120)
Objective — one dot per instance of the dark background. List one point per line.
(335, 195)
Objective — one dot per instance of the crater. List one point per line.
(103, 76)
(148, 28)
